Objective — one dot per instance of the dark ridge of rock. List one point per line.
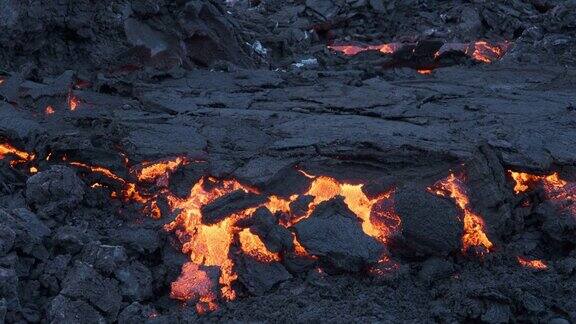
(276, 238)
(136, 313)
(490, 192)
(287, 182)
(259, 277)
(334, 234)
(105, 258)
(136, 239)
(67, 35)
(135, 281)
(55, 192)
(9, 289)
(66, 310)
(84, 283)
(28, 230)
(435, 269)
(299, 207)
(430, 225)
(231, 203)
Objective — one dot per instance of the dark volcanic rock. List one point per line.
(287, 182)
(65, 310)
(227, 205)
(9, 289)
(299, 207)
(259, 277)
(54, 193)
(334, 234)
(29, 231)
(276, 238)
(434, 269)
(135, 281)
(84, 283)
(105, 258)
(430, 224)
(7, 237)
(489, 191)
(139, 239)
(136, 313)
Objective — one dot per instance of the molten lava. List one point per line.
(18, 156)
(480, 51)
(210, 244)
(150, 172)
(560, 192)
(424, 72)
(352, 50)
(49, 110)
(474, 228)
(533, 264)
(73, 101)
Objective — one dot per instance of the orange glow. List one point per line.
(19, 156)
(195, 284)
(480, 51)
(73, 102)
(485, 52)
(150, 172)
(560, 192)
(101, 170)
(210, 244)
(1, 81)
(352, 50)
(533, 264)
(425, 72)
(474, 228)
(49, 110)
(253, 246)
(33, 170)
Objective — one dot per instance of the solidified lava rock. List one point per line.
(276, 238)
(24, 231)
(489, 191)
(164, 34)
(55, 192)
(334, 234)
(66, 310)
(225, 206)
(430, 224)
(86, 284)
(259, 277)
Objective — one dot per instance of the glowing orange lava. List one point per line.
(474, 228)
(560, 192)
(150, 172)
(481, 51)
(424, 72)
(210, 244)
(352, 50)
(533, 264)
(49, 110)
(253, 246)
(73, 102)
(18, 155)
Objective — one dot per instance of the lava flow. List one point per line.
(18, 155)
(560, 192)
(533, 264)
(209, 245)
(480, 51)
(474, 228)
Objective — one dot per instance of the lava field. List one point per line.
(395, 161)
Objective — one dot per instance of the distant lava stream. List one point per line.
(428, 55)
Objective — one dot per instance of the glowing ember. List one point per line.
(474, 230)
(480, 51)
(487, 53)
(73, 101)
(352, 50)
(424, 72)
(533, 264)
(49, 110)
(33, 170)
(19, 156)
(2, 81)
(560, 192)
(150, 172)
